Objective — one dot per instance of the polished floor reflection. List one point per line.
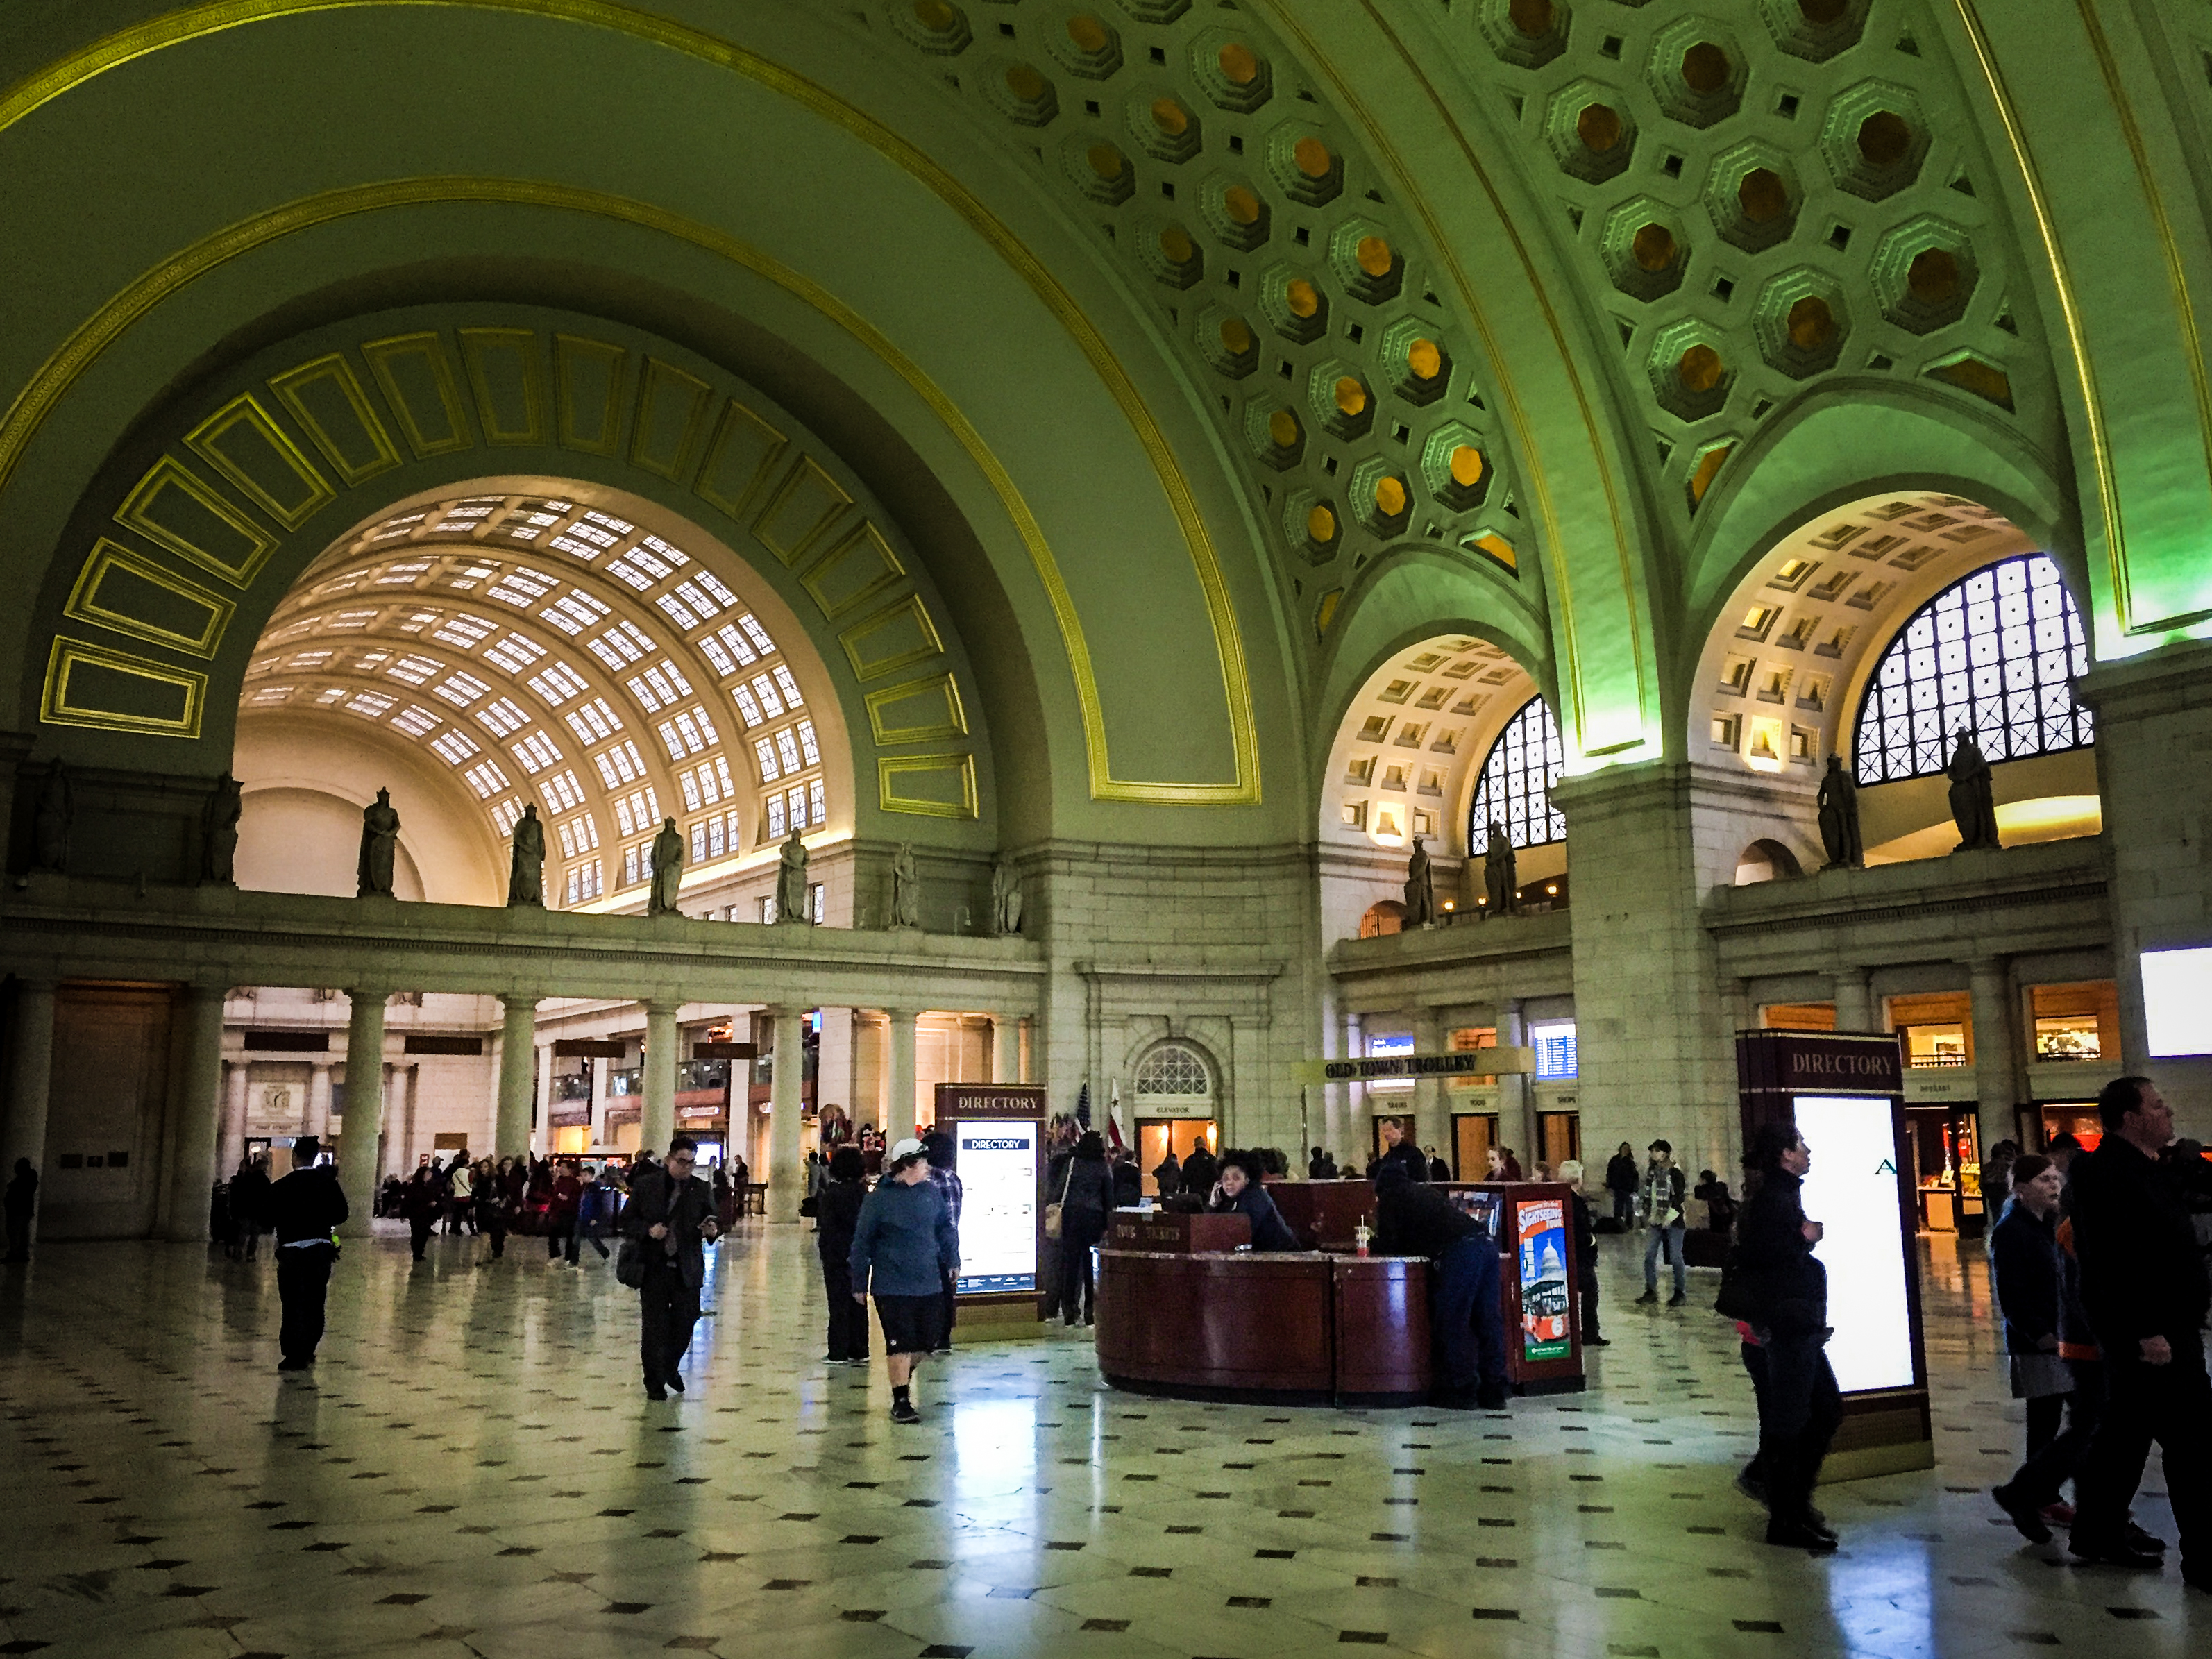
(474, 1470)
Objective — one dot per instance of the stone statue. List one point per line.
(525, 866)
(1005, 898)
(1420, 888)
(1973, 808)
(1839, 818)
(57, 812)
(226, 804)
(906, 890)
(791, 905)
(1500, 873)
(380, 845)
(667, 871)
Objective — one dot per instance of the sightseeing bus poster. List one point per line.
(1541, 1230)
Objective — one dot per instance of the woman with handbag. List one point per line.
(837, 1209)
(1086, 1198)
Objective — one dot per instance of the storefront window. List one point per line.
(2068, 1037)
(1928, 1047)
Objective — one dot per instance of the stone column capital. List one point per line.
(376, 993)
(662, 1007)
(511, 1000)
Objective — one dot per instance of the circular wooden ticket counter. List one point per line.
(1301, 1327)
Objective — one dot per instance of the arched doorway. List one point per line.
(1175, 1107)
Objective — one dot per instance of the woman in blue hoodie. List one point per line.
(905, 1249)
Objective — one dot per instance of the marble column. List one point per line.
(316, 1113)
(517, 1073)
(231, 1152)
(410, 1122)
(30, 1080)
(199, 1120)
(657, 1120)
(786, 1170)
(1997, 1091)
(1026, 1032)
(1431, 1127)
(1854, 995)
(1005, 1054)
(1517, 1091)
(898, 1104)
(364, 1109)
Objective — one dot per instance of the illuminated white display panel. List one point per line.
(1851, 1191)
(1554, 1042)
(998, 1165)
(2176, 991)
(1390, 1045)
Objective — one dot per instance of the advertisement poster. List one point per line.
(998, 1165)
(1851, 1191)
(1543, 1231)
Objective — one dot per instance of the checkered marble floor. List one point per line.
(473, 1469)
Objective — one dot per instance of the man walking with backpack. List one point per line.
(1663, 1214)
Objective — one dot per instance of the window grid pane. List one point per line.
(1997, 652)
(1517, 777)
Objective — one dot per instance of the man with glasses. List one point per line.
(670, 1221)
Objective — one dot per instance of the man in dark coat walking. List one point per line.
(306, 1209)
(670, 1221)
(2143, 1286)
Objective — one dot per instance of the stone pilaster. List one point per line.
(786, 1170)
(364, 1107)
(657, 1111)
(518, 1074)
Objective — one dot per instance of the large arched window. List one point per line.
(1518, 775)
(1998, 652)
(1173, 1071)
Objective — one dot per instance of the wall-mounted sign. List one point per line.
(589, 1049)
(1001, 1100)
(1471, 1062)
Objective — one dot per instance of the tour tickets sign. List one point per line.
(1540, 1225)
(1471, 1062)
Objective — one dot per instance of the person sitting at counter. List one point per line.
(1242, 1191)
(1468, 1327)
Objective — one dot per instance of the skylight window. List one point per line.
(515, 653)
(620, 764)
(402, 575)
(722, 595)
(272, 694)
(788, 683)
(717, 653)
(787, 745)
(486, 779)
(453, 746)
(535, 752)
(622, 645)
(460, 689)
(558, 683)
(415, 670)
(393, 529)
(748, 705)
(678, 612)
(415, 720)
(584, 881)
(694, 594)
(740, 646)
(806, 742)
(462, 629)
(351, 619)
(504, 717)
(575, 611)
(521, 586)
(593, 722)
(641, 568)
(756, 634)
(561, 792)
(764, 752)
(675, 556)
(818, 800)
(507, 814)
(765, 688)
(374, 704)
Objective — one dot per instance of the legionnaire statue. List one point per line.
(380, 844)
(906, 889)
(791, 902)
(1005, 898)
(1839, 818)
(1500, 874)
(219, 832)
(1973, 807)
(667, 871)
(526, 869)
(1420, 888)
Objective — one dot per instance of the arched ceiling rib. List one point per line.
(547, 650)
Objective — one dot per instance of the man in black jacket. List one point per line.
(670, 1220)
(1413, 1219)
(1399, 1149)
(2144, 1289)
(304, 1210)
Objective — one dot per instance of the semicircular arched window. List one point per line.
(1175, 1072)
(1518, 775)
(1997, 652)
